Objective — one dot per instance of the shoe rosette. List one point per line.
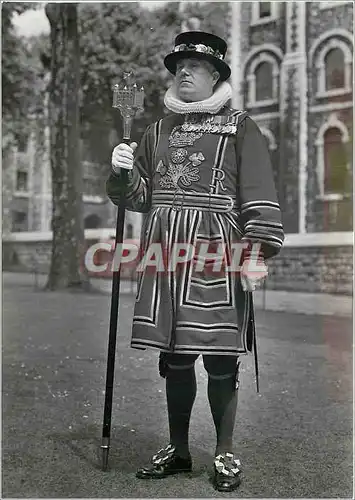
(227, 465)
(163, 455)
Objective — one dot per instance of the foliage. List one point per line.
(114, 37)
(214, 16)
(117, 38)
(20, 77)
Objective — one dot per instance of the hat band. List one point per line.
(202, 49)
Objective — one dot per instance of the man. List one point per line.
(204, 176)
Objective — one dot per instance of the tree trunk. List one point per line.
(66, 268)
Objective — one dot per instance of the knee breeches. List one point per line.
(217, 366)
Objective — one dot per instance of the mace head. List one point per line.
(126, 95)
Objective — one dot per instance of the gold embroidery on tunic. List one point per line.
(178, 139)
(211, 124)
(180, 175)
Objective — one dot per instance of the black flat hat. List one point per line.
(199, 45)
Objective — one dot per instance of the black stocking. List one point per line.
(180, 395)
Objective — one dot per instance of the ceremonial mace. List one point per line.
(128, 99)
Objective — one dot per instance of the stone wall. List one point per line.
(318, 262)
(321, 20)
(312, 269)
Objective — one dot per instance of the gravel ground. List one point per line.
(294, 439)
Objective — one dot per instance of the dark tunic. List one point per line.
(200, 184)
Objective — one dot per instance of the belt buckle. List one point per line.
(230, 205)
(177, 208)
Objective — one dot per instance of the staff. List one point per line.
(128, 100)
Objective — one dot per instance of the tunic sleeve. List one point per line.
(138, 194)
(260, 210)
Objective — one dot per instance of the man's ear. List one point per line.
(216, 77)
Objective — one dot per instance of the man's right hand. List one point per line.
(122, 156)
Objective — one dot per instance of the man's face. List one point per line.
(195, 79)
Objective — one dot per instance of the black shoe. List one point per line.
(165, 463)
(226, 472)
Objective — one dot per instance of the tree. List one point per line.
(116, 38)
(66, 269)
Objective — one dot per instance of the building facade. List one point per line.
(292, 70)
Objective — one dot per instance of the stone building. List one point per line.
(28, 206)
(292, 70)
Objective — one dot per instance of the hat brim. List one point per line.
(172, 59)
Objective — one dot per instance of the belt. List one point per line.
(201, 201)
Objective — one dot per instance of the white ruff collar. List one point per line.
(212, 104)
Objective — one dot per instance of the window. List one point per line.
(22, 181)
(22, 142)
(336, 172)
(334, 69)
(92, 183)
(334, 175)
(264, 9)
(263, 82)
(19, 221)
(263, 12)
(333, 160)
(92, 221)
(91, 186)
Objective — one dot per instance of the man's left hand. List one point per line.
(252, 274)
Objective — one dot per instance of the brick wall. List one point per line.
(307, 263)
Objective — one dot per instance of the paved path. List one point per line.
(294, 438)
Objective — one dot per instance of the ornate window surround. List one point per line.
(256, 20)
(270, 137)
(333, 43)
(332, 122)
(333, 33)
(251, 79)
